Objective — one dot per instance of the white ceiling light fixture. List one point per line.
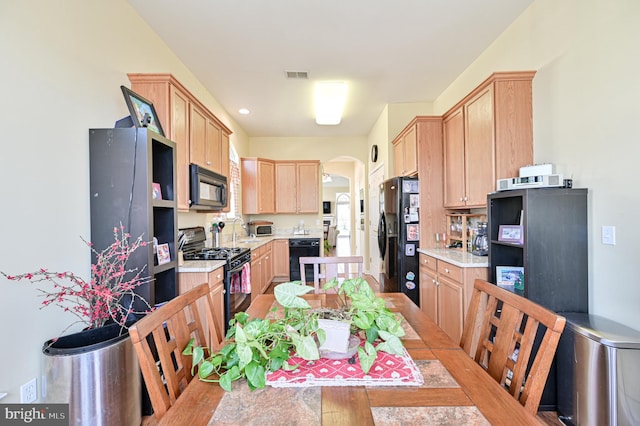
(244, 111)
(330, 97)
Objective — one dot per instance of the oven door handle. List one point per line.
(237, 268)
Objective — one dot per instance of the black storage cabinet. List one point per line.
(124, 165)
(553, 252)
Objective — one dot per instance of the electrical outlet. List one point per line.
(29, 391)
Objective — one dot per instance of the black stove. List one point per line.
(220, 253)
(236, 298)
(192, 241)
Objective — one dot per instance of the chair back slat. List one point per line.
(160, 337)
(327, 268)
(500, 332)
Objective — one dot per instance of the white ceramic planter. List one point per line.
(337, 335)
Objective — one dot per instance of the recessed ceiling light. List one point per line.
(244, 111)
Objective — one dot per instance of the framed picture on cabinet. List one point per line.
(163, 254)
(511, 234)
(143, 114)
(510, 277)
(157, 192)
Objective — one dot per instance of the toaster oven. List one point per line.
(261, 228)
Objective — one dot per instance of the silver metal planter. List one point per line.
(96, 372)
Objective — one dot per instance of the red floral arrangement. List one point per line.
(108, 297)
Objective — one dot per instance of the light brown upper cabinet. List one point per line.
(429, 137)
(297, 186)
(206, 142)
(405, 152)
(199, 136)
(258, 186)
(487, 136)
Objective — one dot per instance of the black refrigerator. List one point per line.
(399, 236)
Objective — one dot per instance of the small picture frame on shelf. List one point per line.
(511, 234)
(510, 277)
(163, 254)
(156, 192)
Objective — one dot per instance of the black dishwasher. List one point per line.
(302, 247)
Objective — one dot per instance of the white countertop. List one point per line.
(254, 243)
(250, 243)
(201, 265)
(460, 258)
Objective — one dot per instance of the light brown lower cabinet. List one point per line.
(256, 271)
(445, 292)
(281, 260)
(267, 267)
(261, 268)
(215, 278)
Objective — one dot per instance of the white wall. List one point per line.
(62, 66)
(585, 116)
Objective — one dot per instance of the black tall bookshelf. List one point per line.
(553, 251)
(125, 164)
(554, 248)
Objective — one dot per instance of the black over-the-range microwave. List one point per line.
(208, 190)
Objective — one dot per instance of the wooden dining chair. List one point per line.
(159, 339)
(340, 267)
(499, 333)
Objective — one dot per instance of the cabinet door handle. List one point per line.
(224, 291)
(446, 270)
(208, 163)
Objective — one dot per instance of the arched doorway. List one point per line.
(343, 213)
(343, 224)
(342, 192)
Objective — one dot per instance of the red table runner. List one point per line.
(387, 370)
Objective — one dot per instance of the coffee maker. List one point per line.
(480, 243)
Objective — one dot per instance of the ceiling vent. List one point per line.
(297, 75)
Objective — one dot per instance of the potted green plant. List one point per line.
(255, 346)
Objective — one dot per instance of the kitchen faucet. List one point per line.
(233, 236)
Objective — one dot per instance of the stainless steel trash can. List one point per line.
(598, 372)
(97, 373)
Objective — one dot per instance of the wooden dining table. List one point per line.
(456, 390)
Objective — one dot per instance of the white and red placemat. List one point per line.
(387, 370)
